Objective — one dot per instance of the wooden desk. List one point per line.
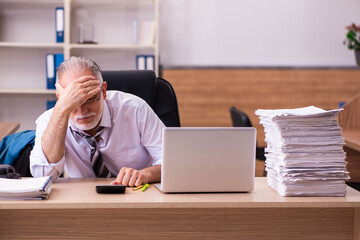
(75, 210)
(7, 128)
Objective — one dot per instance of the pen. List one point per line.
(145, 187)
(137, 188)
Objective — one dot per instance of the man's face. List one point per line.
(88, 115)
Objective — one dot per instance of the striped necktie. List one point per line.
(96, 159)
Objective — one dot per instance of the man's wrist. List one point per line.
(152, 174)
(62, 110)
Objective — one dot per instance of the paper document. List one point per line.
(304, 153)
(25, 188)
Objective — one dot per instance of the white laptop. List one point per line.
(208, 160)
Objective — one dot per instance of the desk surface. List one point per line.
(74, 210)
(80, 193)
(352, 138)
(7, 128)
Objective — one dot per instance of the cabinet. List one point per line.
(27, 34)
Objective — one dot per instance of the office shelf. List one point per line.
(111, 46)
(28, 33)
(31, 45)
(27, 91)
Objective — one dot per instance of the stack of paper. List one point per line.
(304, 153)
(25, 188)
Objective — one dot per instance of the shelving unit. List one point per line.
(27, 91)
(27, 34)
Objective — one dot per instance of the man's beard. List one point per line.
(90, 125)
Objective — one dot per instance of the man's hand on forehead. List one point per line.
(72, 94)
(79, 83)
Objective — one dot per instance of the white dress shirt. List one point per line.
(132, 137)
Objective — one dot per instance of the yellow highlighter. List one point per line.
(145, 187)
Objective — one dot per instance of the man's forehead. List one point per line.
(68, 77)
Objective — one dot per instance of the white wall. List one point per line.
(297, 33)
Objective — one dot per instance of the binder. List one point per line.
(59, 22)
(150, 62)
(50, 104)
(135, 31)
(147, 32)
(59, 58)
(50, 71)
(140, 62)
(31, 188)
(52, 62)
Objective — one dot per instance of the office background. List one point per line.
(217, 54)
(256, 54)
(256, 33)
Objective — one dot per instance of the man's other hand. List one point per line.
(130, 177)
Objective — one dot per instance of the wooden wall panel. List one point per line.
(205, 95)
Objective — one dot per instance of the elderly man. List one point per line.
(94, 133)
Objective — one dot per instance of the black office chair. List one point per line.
(157, 92)
(240, 119)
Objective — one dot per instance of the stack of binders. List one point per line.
(145, 62)
(304, 153)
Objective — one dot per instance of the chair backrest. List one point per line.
(239, 118)
(157, 92)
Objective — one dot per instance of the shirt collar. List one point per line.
(106, 117)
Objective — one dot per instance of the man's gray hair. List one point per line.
(78, 65)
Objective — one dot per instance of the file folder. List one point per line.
(52, 62)
(59, 22)
(31, 188)
(150, 63)
(140, 62)
(50, 71)
(50, 104)
(59, 58)
(135, 32)
(147, 33)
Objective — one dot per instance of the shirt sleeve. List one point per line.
(39, 165)
(150, 127)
